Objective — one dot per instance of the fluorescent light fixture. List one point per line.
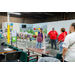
(48, 14)
(15, 13)
(66, 12)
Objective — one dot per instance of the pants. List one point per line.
(60, 47)
(53, 41)
(38, 44)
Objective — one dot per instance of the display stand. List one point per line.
(14, 37)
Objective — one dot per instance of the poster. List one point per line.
(34, 28)
(14, 36)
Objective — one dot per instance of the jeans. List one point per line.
(60, 47)
(53, 41)
(38, 44)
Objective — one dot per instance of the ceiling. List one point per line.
(34, 14)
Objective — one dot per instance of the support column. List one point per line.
(8, 28)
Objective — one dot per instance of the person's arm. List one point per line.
(64, 52)
(56, 34)
(49, 34)
(65, 47)
(36, 37)
(60, 38)
(43, 37)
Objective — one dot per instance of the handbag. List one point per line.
(71, 44)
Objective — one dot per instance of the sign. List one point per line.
(14, 36)
(13, 33)
(14, 39)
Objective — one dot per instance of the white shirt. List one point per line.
(70, 54)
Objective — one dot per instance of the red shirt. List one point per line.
(66, 32)
(61, 37)
(53, 34)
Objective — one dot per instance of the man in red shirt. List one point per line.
(53, 36)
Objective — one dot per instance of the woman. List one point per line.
(61, 38)
(40, 38)
(68, 53)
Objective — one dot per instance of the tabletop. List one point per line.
(4, 51)
(40, 51)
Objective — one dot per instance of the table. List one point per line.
(3, 51)
(37, 50)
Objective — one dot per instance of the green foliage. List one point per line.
(45, 31)
(31, 31)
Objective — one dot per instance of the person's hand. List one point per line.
(58, 43)
(63, 58)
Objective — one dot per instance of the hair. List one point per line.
(41, 30)
(73, 24)
(62, 29)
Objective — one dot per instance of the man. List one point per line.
(53, 36)
(68, 53)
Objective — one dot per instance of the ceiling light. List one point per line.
(15, 13)
(48, 14)
(66, 12)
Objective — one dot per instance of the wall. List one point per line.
(59, 24)
(28, 20)
(12, 19)
(31, 20)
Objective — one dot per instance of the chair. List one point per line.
(25, 56)
(2, 57)
(13, 56)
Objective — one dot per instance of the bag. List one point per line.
(71, 45)
(59, 56)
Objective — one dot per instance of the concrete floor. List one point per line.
(22, 44)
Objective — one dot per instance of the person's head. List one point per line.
(72, 28)
(53, 29)
(41, 31)
(62, 30)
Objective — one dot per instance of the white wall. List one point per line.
(59, 24)
(16, 26)
(3, 26)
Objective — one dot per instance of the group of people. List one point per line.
(66, 42)
(53, 37)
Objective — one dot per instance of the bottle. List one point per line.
(44, 49)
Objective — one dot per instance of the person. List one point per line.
(68, 53)
(40, 38)
(65, 31)
(61, 38)
(53, 36)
